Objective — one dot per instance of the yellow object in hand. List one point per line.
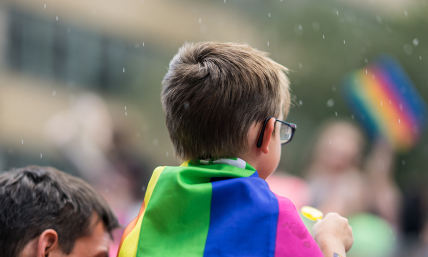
(311, 213)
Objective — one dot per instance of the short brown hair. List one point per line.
(213, 92)
(33, 199)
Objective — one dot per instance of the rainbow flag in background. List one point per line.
(387, 103)
(215, 208)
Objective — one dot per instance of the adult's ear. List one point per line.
(270, 125)
(48, 242)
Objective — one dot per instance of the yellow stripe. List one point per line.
(185, 164)
(395, 131)
(130, 244)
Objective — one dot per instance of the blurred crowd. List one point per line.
(339, 177)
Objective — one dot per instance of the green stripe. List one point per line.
(178, 216)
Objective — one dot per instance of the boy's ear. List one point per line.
(270, 125)
(48, 242)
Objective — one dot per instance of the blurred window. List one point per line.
(78, 57)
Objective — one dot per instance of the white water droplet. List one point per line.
(267, 43)
(415, 42)
(300, 102)
(399, 121)
(123, 70)
(269, 15)
(143, 43)
(200, 20)
(420, 57)
(300, 65)
(167, 154)
(54, 93)
(366, 71)
(405, 13)
(343, 41)
(352, 116)
(330, 103)
(56, 17)
(335, 113)
(125, 108)
(380, 103)
(329, 141)
(366, 61)
(22, 141)
(41, 156)
(126, 113)
(323, 37)
(337, 12)
(45, 6)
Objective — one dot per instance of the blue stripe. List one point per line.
(404, 87)
(243, 221)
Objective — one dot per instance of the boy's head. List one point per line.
(214, 92)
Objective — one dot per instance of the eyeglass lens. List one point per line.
(285, 133)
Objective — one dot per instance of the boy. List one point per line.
(223, 104)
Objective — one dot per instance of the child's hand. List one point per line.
(333, 234)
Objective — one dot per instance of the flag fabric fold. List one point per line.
(215, 208)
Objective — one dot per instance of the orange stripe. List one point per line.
(130, 227)
(395, 131)
(129, 243)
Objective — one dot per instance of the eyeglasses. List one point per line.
(286, 131)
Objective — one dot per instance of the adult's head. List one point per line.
(46, 212)
(339, 146)
(214, 92)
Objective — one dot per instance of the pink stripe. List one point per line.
(292, 238)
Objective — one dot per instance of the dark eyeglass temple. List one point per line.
(260, 140)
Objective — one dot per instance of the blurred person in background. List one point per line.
(334, 170)
(414, 216)
(86, 135)
(46, 212)
(340, 181)
(363, 190)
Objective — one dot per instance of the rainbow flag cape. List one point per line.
(387, 103)
(215, 208)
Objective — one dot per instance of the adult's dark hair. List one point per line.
(33, 199)
(212, 94)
